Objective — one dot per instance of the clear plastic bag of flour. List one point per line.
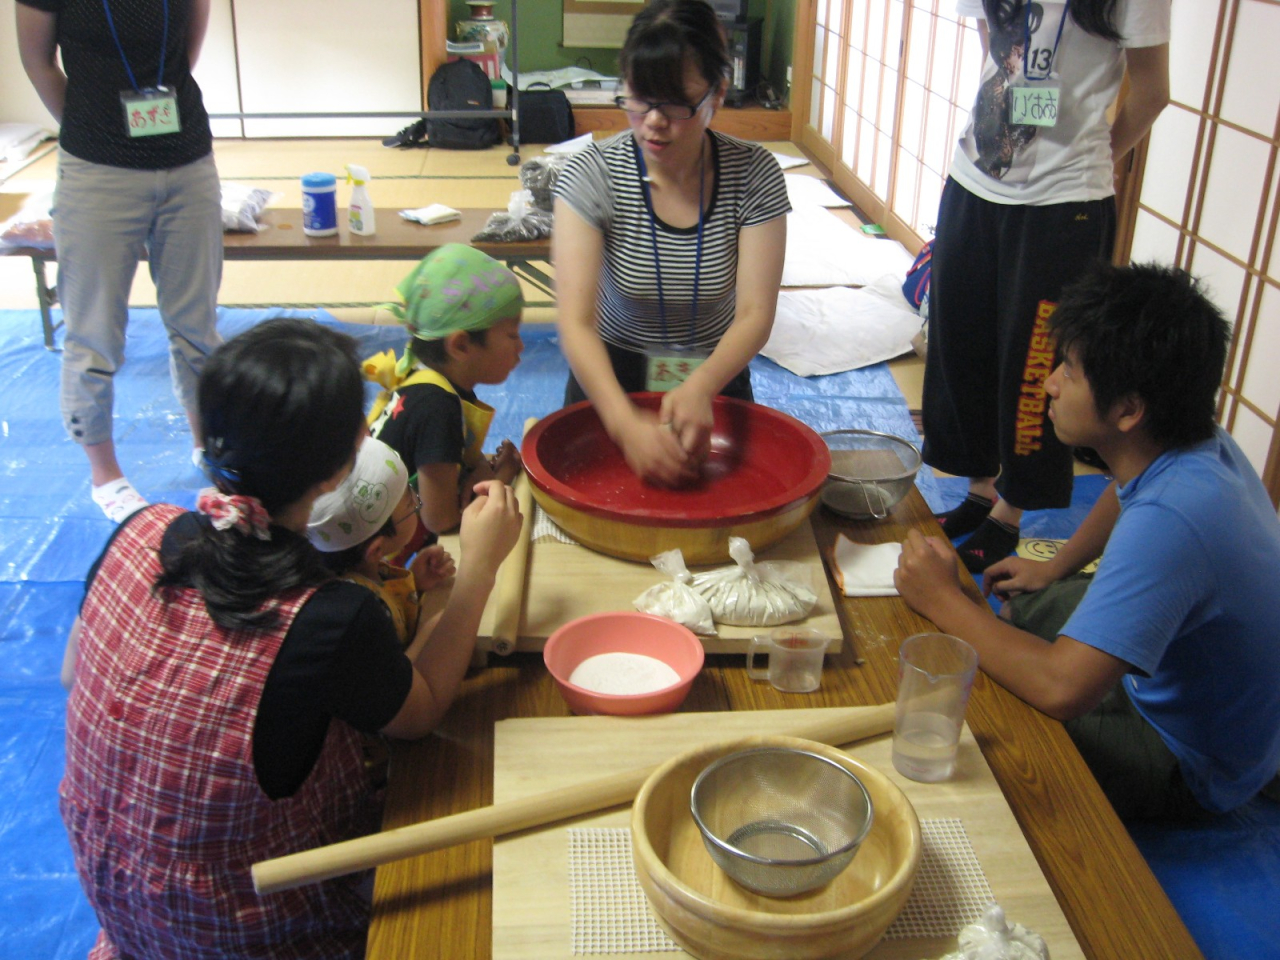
(752, 594)
(674, 598)
(521, 221)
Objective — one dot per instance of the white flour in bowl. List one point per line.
(623, 674)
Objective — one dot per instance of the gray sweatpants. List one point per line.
(104, 220)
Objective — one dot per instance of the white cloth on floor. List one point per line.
(823, 251)
(806, 191)
(435, 213)
(786, 161)
(569, 147)
(866, 570)
(841, 328)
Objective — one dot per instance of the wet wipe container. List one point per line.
(319, 204)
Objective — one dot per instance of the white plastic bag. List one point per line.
(757, 594)
(993, 938)
(242, 206)
(674, 598)
(32, 225)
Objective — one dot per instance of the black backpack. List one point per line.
(461, 85)
(545, 116)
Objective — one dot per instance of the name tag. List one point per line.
(666, 369)
(1034, 106)
(150, 113)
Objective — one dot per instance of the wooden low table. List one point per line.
(440, 904)
(284, 239)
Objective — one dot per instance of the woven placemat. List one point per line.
(610, 914)
(608, 910)
(950, 891)
(544, 528)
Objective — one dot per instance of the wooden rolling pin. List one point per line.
(839, 726)
(508, 593)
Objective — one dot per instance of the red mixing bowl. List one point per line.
(760, 482)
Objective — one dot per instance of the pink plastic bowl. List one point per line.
(623, 632)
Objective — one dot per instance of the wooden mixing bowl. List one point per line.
(760, 482)
(713, 918)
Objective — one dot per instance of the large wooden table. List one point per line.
(284, 239)
(439, 905)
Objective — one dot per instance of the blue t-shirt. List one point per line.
(1187, 592)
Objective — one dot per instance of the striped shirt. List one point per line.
(602, 185)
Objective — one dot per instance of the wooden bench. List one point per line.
(284, 239)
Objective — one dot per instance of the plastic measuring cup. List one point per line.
(795, 658)
(935, 675)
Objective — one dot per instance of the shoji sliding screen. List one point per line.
(890, 86)
(1209, 198)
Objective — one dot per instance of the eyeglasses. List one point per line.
(417, 507)
(672, 111)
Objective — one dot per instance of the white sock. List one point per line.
(197, 457)
(118, 499)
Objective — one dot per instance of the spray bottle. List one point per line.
(360, 218)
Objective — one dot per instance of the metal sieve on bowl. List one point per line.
(870, 472)
(780, 821)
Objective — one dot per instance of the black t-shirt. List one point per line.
(93, 124)
(341, 659)
(424, 424)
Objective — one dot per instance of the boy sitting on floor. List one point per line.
(372, 515)
(1165, 665)
(462, 309)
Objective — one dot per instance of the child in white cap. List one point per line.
(462, 309)
(370, 516)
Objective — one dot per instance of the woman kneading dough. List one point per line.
(668, 247)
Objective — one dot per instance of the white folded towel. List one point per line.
(866, 570)
(435, 213)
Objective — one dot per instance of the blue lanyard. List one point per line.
(1026, 46)
(164, 43)
(657, 260)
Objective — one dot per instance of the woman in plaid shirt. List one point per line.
(221, 676)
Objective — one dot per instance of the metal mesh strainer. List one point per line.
(870, 472)
(780, 821)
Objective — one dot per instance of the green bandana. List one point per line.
(456, 288)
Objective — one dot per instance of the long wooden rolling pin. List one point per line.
(508, 594)
(840, 726)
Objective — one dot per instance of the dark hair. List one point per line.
(280, 409)
(341, 561)
(1092, 16)
(661, 36)
(434, 353)
(1149, 330)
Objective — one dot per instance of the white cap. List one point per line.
(362, 503)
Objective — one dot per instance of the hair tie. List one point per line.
(246, 514)
(216, 462)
